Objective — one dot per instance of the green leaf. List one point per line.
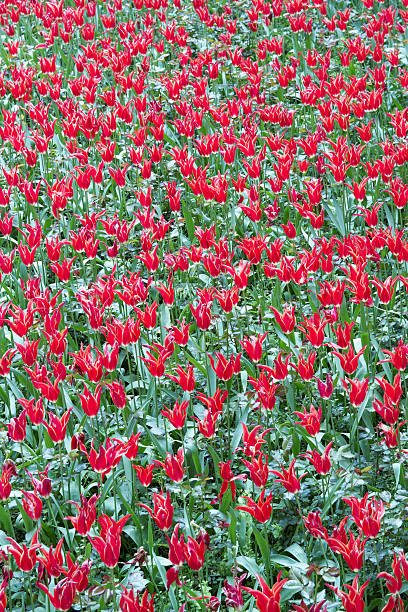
(162, 573)
(28, 522)
(189, 221)
(5, 521)
(263, 545)
(250, 565)
(283, 560)
(298, 552)
(399, 474)
(150, 537)
(236, 438)
(226, 501)
(333, 495)
(336, 216)
(291, 587)
(232, 529)
(215, 457)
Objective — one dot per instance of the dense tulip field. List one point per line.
(203, 305)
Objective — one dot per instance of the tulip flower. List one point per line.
(129, 602)
(287, 320)
(86, 514)
(313, 524)
(173, 465)
(16, 429)
(311, 421)
(258, 470)
(32, 504)
(349, 360)
(352, 599)
(176, 416)
(366, 514)
(305, 368)
(358, 390)
(185, 379)
(109, 542)
(90, 403)
(398, 357)
(260, 510)
(265, 389)
(321, 463)
(228, 478)
(194, 553)
(63, 596)
(7, 472)
(268, 598)
(145, 474)
(348, 546)
(53, 560)
(226, 369)
(57, 427)
(394, 581)
(253, 346)
(163, 510)
(25, 557)
(107, 458)
(252, 442)
(314, 329)
(288, 478)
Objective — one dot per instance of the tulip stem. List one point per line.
(61, 473)
(378, 568)
(269, 569)
(201, 577)
(302, 521)
(229, 415)
(115, 602)
(31, 591)
(156, 402)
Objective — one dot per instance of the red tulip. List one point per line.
(226, 369)
(145, 474)
(352, 599)
(228, 478)
(253, 346)
(348, 546)
(305, 369)
(288, 478)
(176, 416)
(163, 510)
(57, 427)
(86, 514)
(313, 524)
(310, 420)
(129, 602)
(358, 390)
(173, 465)
(185, 379)
(268, 598)
(109, 542)
(32, 504)
(107, 457)
(194, 553)
(16, 429)
(286, 321)
(90, 403)
(259, 471)
(63, 596)
(260, 510)
(367, 516)
(25, 558)
(321, 463)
